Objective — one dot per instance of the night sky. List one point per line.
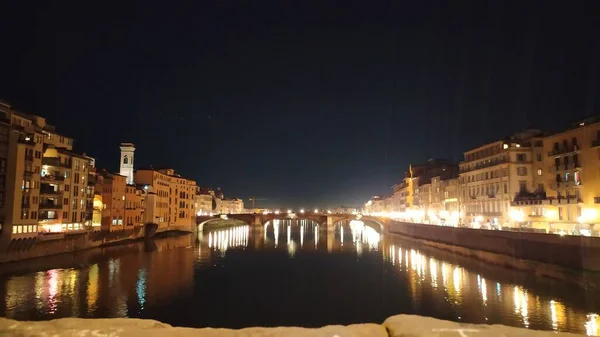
(304, 103)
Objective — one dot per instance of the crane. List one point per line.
(254, 199)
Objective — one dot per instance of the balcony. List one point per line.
(50, 205)
(56, 162)
(564, 184)
(27, 140)
(46, 190)
(53, 178)
(563, 150)
(481, 165)
(48, 216)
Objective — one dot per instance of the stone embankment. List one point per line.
(395, 326)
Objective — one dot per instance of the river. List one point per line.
(289, 274)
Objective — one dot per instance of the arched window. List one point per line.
(125, 160)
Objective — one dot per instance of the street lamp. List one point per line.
(316, 211)
(302, 210)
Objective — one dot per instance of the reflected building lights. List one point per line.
(399, 257)
(276, 232)
(433, 272)
(457, 279)
(592, 325)
(521, 304)
(223, 239)
(484, 291)
(553, 315)
(140, 288)
(301, 236)
(342, 234)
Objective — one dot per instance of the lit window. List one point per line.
(539, 172)
(505, 146)
(19, 229)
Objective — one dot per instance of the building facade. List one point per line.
(571, 180)
(204, 201)
(174, 206)
(232, 206)
(492, 175)
(43, 184)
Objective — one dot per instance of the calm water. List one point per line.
(291, 274)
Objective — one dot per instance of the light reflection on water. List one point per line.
(164, 282)
(526, 305)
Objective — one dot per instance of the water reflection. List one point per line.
(232, 237)
(529, 309)
(224, 279)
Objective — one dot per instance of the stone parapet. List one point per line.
(395, 326)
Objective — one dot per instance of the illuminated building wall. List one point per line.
(493, 174)
(134, 206)
(113, 187)
(175, 197)
(571, 162)
(46, 187)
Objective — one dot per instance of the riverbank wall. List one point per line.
(41, 246)
(395, 326)
(536, 252)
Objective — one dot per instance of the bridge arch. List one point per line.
(202, 221)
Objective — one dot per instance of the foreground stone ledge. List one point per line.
(419, 326)
(130, 327)
(396, 326)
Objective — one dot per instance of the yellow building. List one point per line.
(134, 207)
(175, 197)
(493, 174)
(571, 184)
(44, 185)
(113, 187)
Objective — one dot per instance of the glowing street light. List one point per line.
(289, 211)
(277, 212)
(302, 210)
(316, 211)
(328, 211)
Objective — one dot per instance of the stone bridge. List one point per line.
(325, 221)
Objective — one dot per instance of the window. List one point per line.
(505, 188)
(522, 185)
(539, 172)
(521, 157)
(521, 171)
(67, 188)
(34, 215)
(538, 157)
(125, 160)
(567, 176)
(540, 188)
(65, 215)
(65, 201)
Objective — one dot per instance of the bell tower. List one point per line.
(126, 168)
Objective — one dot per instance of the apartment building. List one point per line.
(113, 187)
(571, 180)
(493, 174)
(134, 206)
(204, 201)
(232, 206)
(43, 184)
(175, 197)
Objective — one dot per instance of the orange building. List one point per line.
(175, 198)
(113, 187)
(134, 206)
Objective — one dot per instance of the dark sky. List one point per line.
(304, 102)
